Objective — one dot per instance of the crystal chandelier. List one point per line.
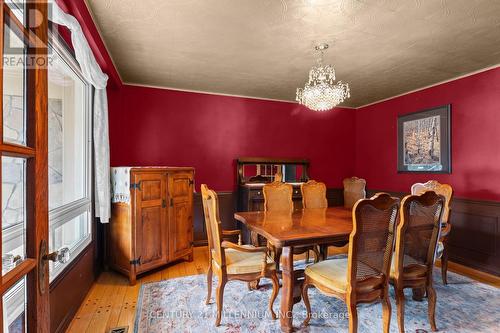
(321, 93)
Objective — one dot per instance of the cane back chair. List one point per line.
(416, 241)
(363, 276)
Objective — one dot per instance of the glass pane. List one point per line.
(13, 212)
(17, 7)
(68, 139)
(73, 234)
(14, 115)
(14, 308)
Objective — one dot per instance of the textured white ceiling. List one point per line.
(264, 48)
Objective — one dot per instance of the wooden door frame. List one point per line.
(36, 155)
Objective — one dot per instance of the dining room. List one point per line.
(250, 166)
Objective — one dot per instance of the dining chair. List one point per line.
(446, 191)
(363, 276)
(417, 235)
(314, 196)
(354, 190)
(232, 261)
(278, 196)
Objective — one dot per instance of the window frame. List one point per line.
(67, 212)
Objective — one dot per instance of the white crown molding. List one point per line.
(216, 93)
(431, 86)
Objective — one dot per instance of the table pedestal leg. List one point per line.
(287, 288)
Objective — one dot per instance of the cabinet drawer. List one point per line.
(256, 195)
(297, 194)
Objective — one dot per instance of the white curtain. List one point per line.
(93, 74)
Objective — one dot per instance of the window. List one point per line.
(69, 156)
(13, 168)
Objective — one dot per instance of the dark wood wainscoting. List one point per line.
(67, 293)
(227, 206)
(335, 197)
(69, 289)
(475, 234)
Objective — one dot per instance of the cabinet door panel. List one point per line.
(181, 214)
(183, 229)
(151, 234)
(150, 190)
(181, 186)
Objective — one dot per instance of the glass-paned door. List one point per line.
(24, 172)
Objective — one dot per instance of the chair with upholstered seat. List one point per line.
(416, 239)
(363, 276)
(447, 192)
(278, 197)
(232, 261)
(354, 190)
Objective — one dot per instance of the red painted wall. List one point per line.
(153, 126)
(475, 122)
(164, 127)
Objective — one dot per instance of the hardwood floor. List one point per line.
(111, 301)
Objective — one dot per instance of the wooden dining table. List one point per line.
(287, 230)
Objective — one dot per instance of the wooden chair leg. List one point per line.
(444, 264)
(219, 299)
(400, 303)
(209, 283)
(305, 297)
(386, 312)
(277, 257)
(431, 298)
(418, 294)
(317, 255)
(274, 294)
(352, 310)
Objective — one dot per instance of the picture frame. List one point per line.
(424, 141)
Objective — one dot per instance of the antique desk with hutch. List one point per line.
(254, 172)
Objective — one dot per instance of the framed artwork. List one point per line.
(424, 141)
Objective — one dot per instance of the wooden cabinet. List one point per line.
(152, 219)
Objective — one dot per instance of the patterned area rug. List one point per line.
(178, 305)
